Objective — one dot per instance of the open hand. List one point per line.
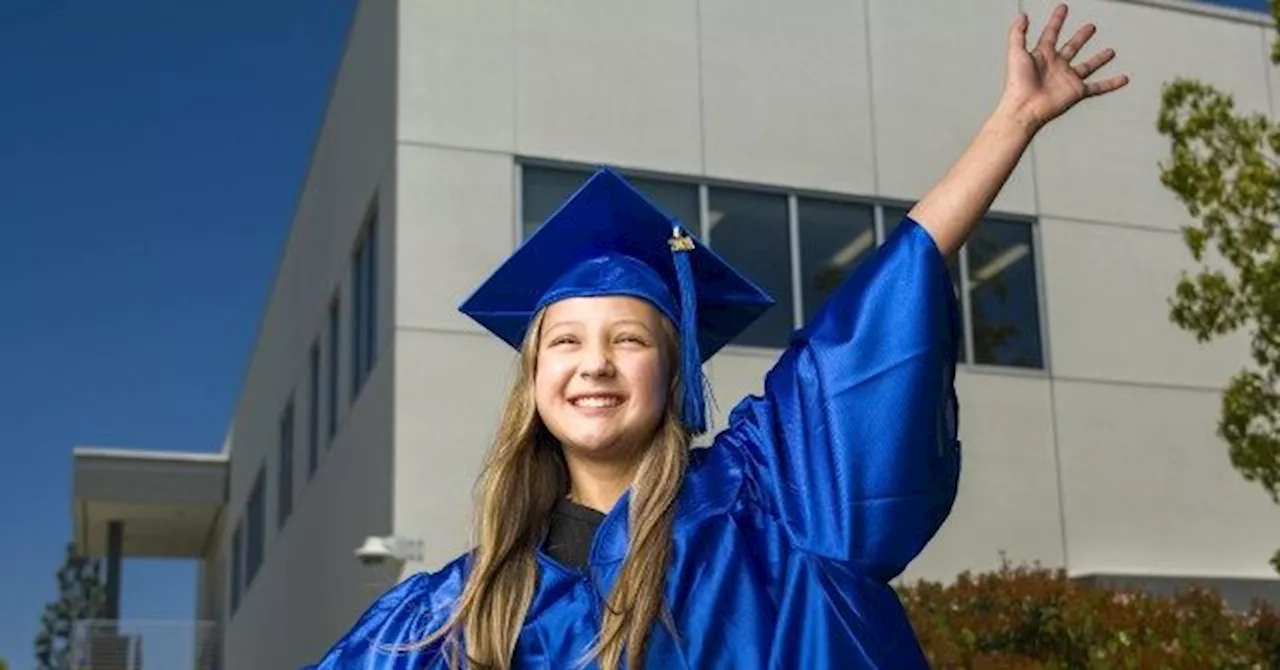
(1042, 84)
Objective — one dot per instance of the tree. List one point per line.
(1224, 167)
(3, 665)
(82, 595)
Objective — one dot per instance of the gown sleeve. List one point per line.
(853, 448)
(389, 635)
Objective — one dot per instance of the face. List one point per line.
(601, 376)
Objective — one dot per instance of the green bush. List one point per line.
(1033, 617)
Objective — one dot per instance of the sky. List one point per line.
(151, 153)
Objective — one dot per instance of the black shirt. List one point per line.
(570, 533)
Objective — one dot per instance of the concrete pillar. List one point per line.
(115, 540)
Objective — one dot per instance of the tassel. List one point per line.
(694, 406)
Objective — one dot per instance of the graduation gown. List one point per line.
(790, 526)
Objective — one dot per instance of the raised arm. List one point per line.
(1040, 85)
(852, 448)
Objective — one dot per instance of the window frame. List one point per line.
(313, 409)
(256, 528)
(286, 437)
(364, 312)
(235, 581)
(333, 378)
(795, 228)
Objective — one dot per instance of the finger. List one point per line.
(1052, 29)
(1087, 68)
(1077, 41)
(1018, 32)
(1108, 85)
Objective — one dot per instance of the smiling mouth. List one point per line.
(602, 401)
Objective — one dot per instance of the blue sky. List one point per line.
(150, 156)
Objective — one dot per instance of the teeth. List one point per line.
(597, 401)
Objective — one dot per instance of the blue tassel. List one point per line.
(694, 409)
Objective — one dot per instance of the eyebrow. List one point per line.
(633, 322)
(623, 322)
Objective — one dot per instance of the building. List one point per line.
(791, 139)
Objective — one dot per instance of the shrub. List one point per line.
(1026, 617)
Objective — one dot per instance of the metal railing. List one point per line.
(110, 644)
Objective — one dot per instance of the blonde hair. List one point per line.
(523, 477)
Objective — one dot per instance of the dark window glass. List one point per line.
(257, 517)
(543, 190)
(284, 482)
(364, 270)
(237, 566)
(313, 410)
(333, 387)
(750, 231)
(1003, 296)
(834, 238)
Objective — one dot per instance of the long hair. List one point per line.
(524, 475)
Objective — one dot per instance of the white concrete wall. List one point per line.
(867, 99)
(1147, 486)
(936, 72)
(308, 567)
(455, 225)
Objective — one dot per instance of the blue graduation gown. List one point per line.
(791, 525)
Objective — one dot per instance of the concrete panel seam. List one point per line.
(423, 144)
(444, 331)
(871, 105)
(1110, 224)
(1158, 386)
(702, 104)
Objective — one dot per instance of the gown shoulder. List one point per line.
(392, 632)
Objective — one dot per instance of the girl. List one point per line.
(603, 539)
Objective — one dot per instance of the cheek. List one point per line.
(650, 384)
(548, 379)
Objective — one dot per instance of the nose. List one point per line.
(597, 361)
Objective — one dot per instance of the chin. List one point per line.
(595, 446)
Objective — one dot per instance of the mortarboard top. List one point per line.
(608, 239)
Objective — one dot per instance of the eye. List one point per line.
(561, 340)
(632, 338)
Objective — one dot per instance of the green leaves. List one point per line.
(81, 596)
(1034, 617)
(1224, 166)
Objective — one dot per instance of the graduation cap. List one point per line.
(608, 239)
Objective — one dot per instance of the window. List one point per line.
(313, 410)
(544, 189)
(364, 270)
(237, 565)
(1002, 308)
(835, 237)
(257, 517)
(284, 483)
(752, 231)
(332, 395)
(1004, 316)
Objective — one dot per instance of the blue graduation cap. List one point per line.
(608, 239)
